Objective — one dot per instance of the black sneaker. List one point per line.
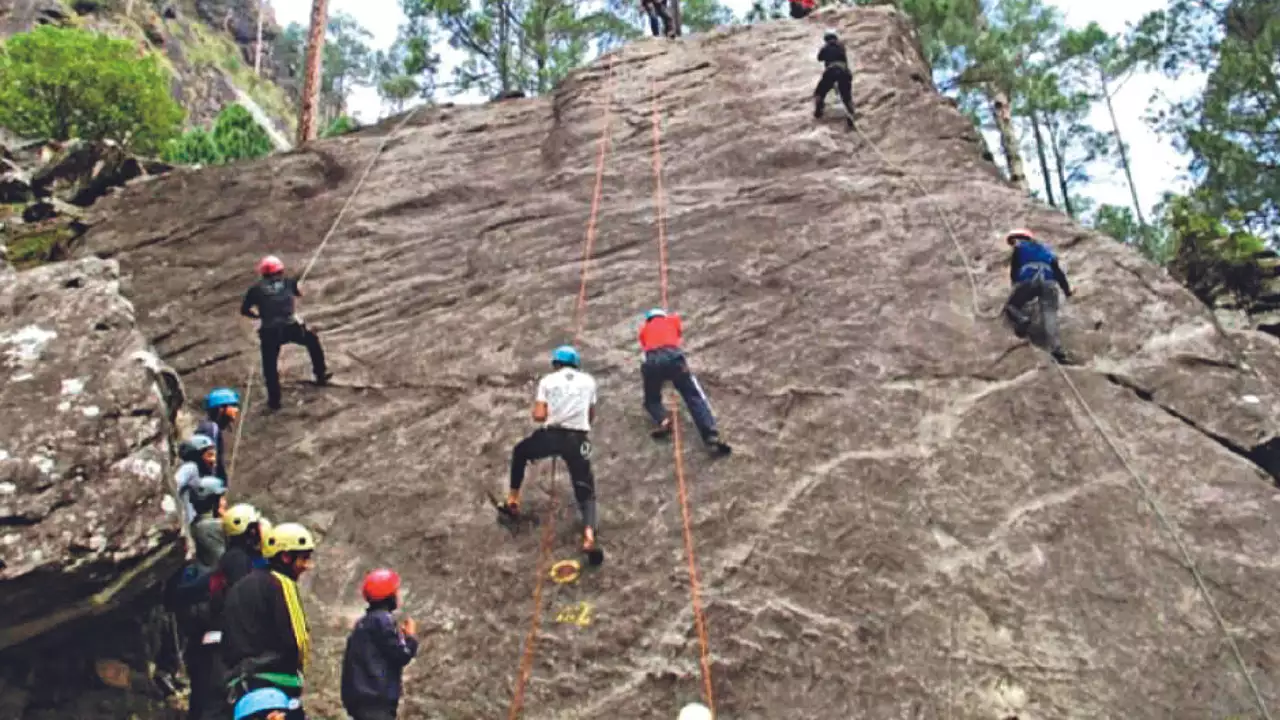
(322, 380)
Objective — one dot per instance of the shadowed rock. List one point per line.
(87, 517)
(918, 520)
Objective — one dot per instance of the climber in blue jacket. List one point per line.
(1033, 271)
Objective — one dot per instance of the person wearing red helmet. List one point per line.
(272, 296)
(377, 651)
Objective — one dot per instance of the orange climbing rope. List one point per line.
(580, 314)
(695, 586)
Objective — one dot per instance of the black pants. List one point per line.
(574, 448)
(834, 77)
(798, 11)
(657, 10)
(272, 339)
(372, 712)
(669, 364)
(208, 699)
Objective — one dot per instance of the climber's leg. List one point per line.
(537, 446)
(1048, 293)
(300, 334)
(1015, 307)
(654, 375)
(845, 85)
(696, 400)
(825, 84)
(270, 340)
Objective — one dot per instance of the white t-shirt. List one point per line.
(569, 395)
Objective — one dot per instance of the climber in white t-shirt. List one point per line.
(565, 406)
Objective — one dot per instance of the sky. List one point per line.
(1157, 166)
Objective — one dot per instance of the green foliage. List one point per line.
(235, 136)
(341, 125)
(1208, 255)
(61, 83)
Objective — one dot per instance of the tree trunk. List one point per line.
(1124, 156)
(1044, 162)
(311, 80)
(1056, 146)
(675, 16)
(257, 48)
(504, 48)
(1003, 112)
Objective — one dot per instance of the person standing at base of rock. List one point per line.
(266, 642)
(657, 10)
(660, 338)
(377, 651)
(1033, 270)
(273, 297)
(209, 498)
(221, 407)
(199, 454)
(565, 406)
(837, 75)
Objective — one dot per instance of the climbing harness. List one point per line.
(549, 528)
(1144, 488)
(695, 585)
(254, 371)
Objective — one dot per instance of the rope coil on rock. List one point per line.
(580, 313)
(248, 383)
(1144, 488)
(695, 584)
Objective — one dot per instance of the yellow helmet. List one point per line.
(237, 519)
(288, 537)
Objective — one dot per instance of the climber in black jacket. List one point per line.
(836, 75)
(273, 296)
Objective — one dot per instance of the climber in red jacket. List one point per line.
(660, 337)
(801, 8)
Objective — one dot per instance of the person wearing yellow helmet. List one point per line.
(265, 638)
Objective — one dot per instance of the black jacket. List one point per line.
(274, 299)
(833, 53)
(264, 626)
(375, 658)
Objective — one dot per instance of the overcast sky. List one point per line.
(1157, 166)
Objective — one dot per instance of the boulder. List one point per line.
(84, 171)
(87, 514)
(920, 519)
(15, 185)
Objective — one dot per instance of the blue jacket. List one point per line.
(1030, 259)
(375, 658)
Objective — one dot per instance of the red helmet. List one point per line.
(1019, 234)
(380, 584)
(270, 265)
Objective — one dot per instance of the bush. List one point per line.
(61, 83)
(341, 125)
(235, 136)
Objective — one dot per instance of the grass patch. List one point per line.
(39, 246)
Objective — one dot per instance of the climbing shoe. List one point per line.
(848, 121)
(662, 430)
(323, 380)
(1063, 358)
(716, 445)
(594, 554)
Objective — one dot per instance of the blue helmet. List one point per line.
(565, 355)
(655, 313)
(221, 397)
(263, 700)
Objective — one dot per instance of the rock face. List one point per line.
(87, 516)
(919, 520)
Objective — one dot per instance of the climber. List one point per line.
(273, 297)
(801, 8)
(222, 407)
(1033, 270)
(660, 337)
(265, 638)
(199, 454)
(657, 10)
(209, 500)
(837, 75)
(565, 405)
(377, 651)
(242, 525)
(265, 704)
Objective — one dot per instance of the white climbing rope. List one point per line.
(1144, 488)
(253, 371)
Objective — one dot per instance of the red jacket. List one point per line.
(660, 332)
